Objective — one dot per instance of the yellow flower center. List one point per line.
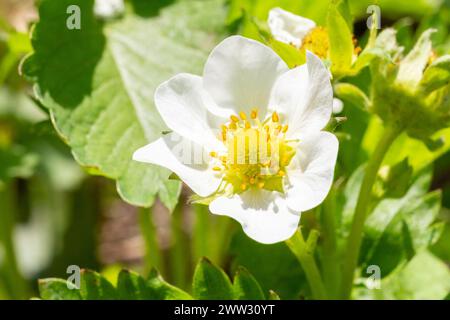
(257, 152)
(316, 41)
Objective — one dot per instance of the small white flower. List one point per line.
(288, 27)
(303, 33)
(108, 8)
(247, 94)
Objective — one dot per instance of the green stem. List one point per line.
(224, 235)
(212, 235)
(9, 271)
(148, 230)
(202, 228)
(330, 259)
(179, 251)
(304, 251)
(354, 240)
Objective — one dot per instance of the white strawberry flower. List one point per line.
(289, 28)
(302, 33)
(247, 94)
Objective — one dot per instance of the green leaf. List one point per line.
(159, 289)
(273, 295)
(350, 196)
(211, 283)
(418, 154)
(334, 123)
(343, 7)
(397, 179)
(96, 287)
(291, 55)
(246, 287)
(352, 94)
(131, 286)
(274, 267)
(386, 209)
(366, 57)
(341, 43)
(58, 289)
(442, 247)
(412, 66)
(384, 47)
(170, 193)
(436, 75)
(98, 82)
(397, 229)
(424, 278)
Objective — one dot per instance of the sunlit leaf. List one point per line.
(95, 287)
(98, 82)
(246, 287)
(211, 283)
(341, 44)
(281, 271)
(58, 289)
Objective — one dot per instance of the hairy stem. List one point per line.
(362, 207)
(330, 259)
(304, 251)
(16, 285)
(148, 230)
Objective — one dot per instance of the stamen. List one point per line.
(250, 161)
(234, 118)
(275, 117)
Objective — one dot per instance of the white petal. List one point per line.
(304, 96)
(338, 106)
(311, 171)
(290, 92)
(182, 103)
(185, 158)
(264, 215)
(288, 27)
(240, 73)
